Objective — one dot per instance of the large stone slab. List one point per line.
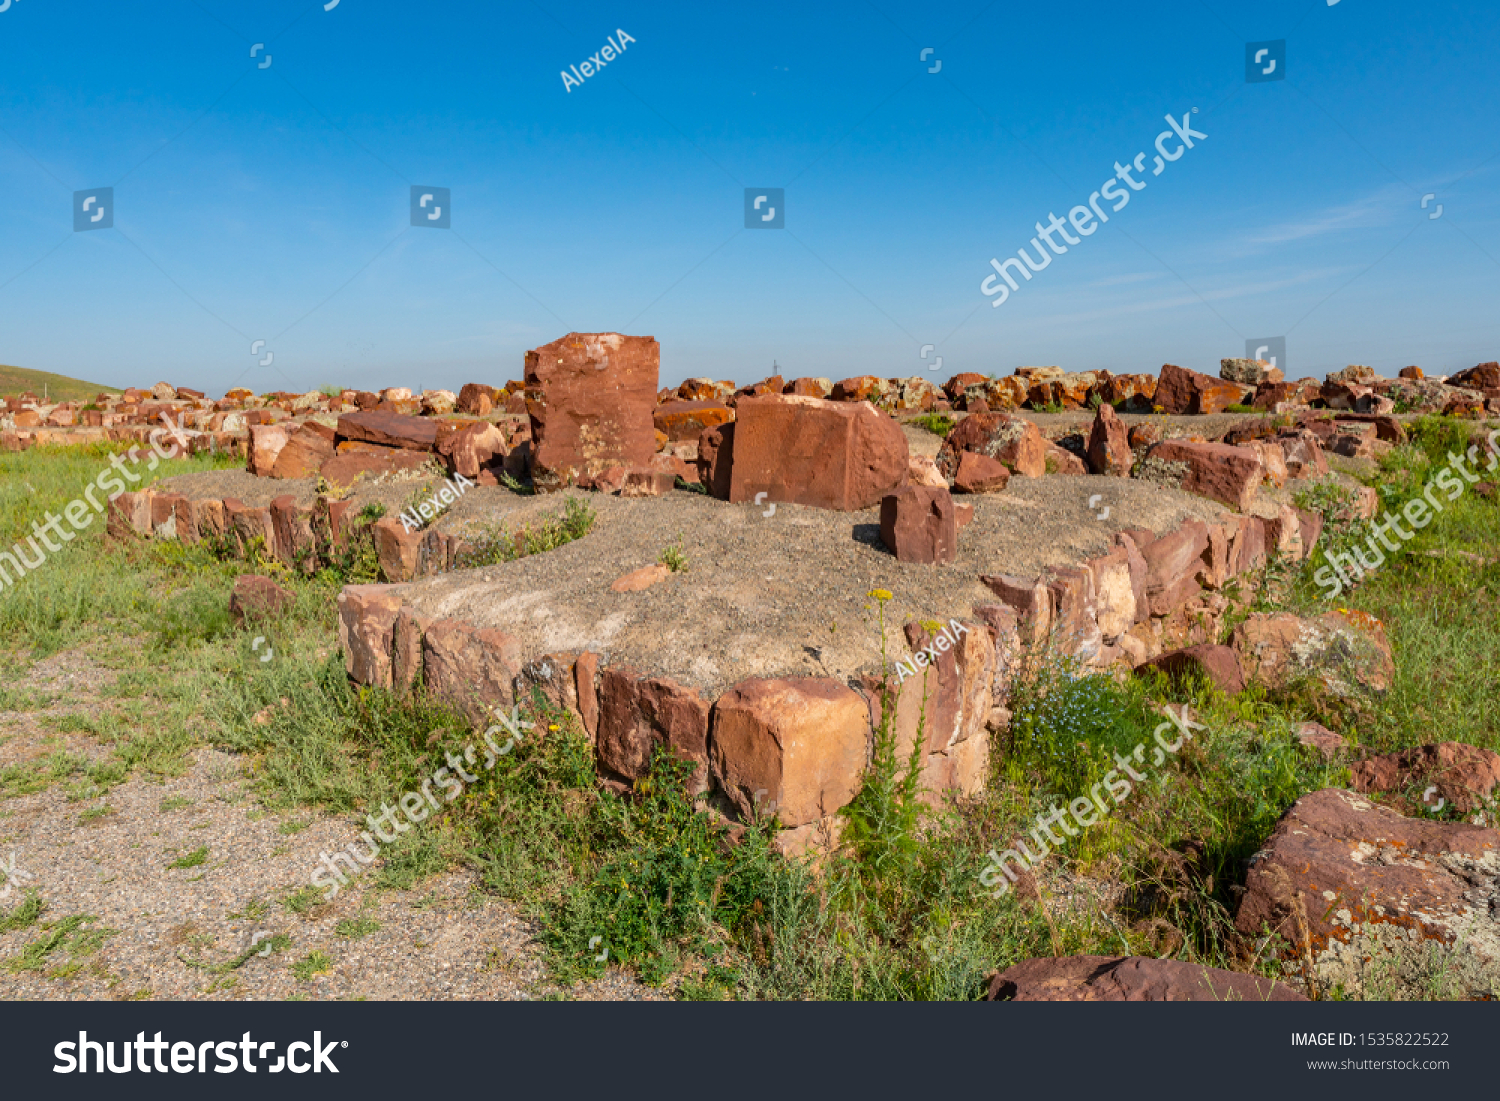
(389, 429)
(795, 747)
(1377, 904)
(1179, 390)
(808, 451)
(591, 397)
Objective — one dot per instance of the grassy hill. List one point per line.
(13, 380)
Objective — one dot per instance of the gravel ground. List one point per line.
(441, 940)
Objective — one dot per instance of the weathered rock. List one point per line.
(1272, 461)
(1319, 737)
(1268, 395)
(1130, 979)
(1011, 440)
(806, 451)
(977, 473)
(647, 481)
(795, 747)
(1343, 651)
(643, 578)
(476, 399)
(922, 471)
(997, 395)
(249, 525)
(1220, 664)
(258, 599)
(470, 448)
(1411, 372)
(591, 397)
(917, 524)
(1378, 905)
(474, 670)
(1061, 460)
(1179, 391)
(716, 459)
(1142, 436)
(367, 624)
(1116, 601)
(296, 544)
(1387, 428)
(1463, 774)
(305, 452)
(1230, 475)
(705, 389)
(1303, 454)
(1344, 395)
(346, 467)
(1359, 376)
(862, 388)
(1173, 563)
(638, 713)
(686, 420)
(1029, 599)
(1128, 393)
(407, 553)
(910, 395)
(266, 443)
(1249, 372)
(809, 387)
(954, 695)
(1109, 444)
(389, 430)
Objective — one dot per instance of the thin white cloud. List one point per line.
(1243, 290)
(1129, 277)
(1380, 208)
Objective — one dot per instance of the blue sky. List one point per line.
(273, 203)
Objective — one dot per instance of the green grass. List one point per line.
(72, 936)
(303, 901)
(23, 915)
(313, 964)
(16, 380)
(939, 424)
(493, 544)
(354, 928)
(673, 558)
(191, 860)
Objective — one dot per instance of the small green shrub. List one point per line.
(939, 424)
(191, 860)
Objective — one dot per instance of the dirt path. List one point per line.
(186, 932)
